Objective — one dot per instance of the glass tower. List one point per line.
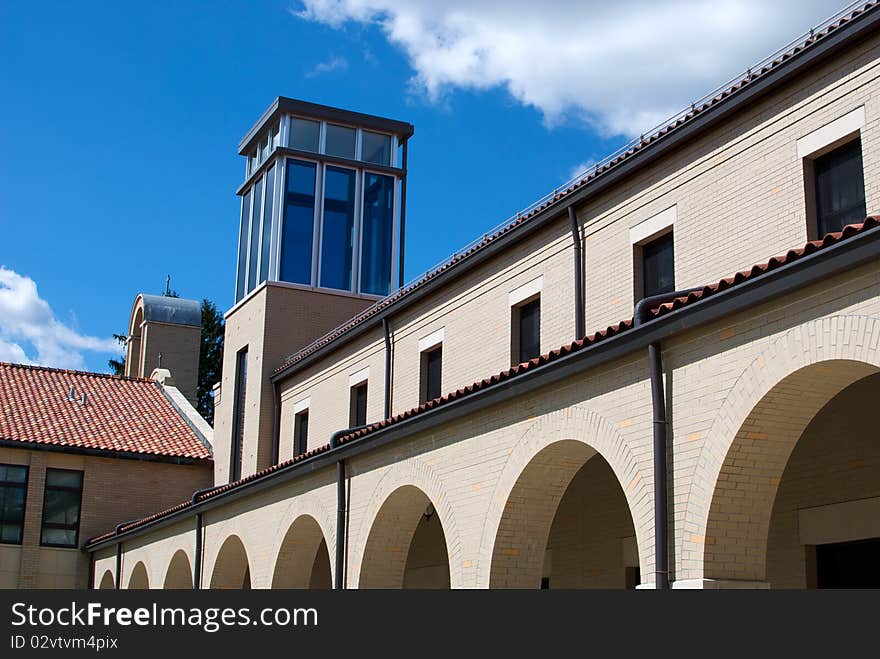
(322, 204)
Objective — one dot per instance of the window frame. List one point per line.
(57, 525)
(24, 487)
(238, 414)
(516, 339)
(424, 373)
(300, 444)
(354, 406)
(640, 288)
(811, 181)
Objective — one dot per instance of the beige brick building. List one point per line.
(509, 420)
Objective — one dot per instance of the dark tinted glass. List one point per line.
(299, 212)
(255, 235)
(243, 246)
(301, 433)
(338, 228)
(238, 416)
(658, 266)
(269, 204)
(304, 134)
(530, 330)
(376, 240)
(340, 141)
(358, 415)
(376, 148)
(433, 374)
(61, 507)
(840, 188)
(13, 488)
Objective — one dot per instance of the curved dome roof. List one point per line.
(171, 310)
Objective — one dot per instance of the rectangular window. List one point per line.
(377, 235)
(376, 148)
(62, 500)
(839, 181)
(432, 374)
(269, 205)
(357, 415)
(526, 331)
(658, 266)
(243, 246)
(337, 231)
(340, 141)
(304, 134)
(13, 493)
(298, 224)
(301, 433)
(255, 235)
(237, 448)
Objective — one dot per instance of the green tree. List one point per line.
(117, 366)
(210, 358)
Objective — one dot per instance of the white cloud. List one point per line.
(335, 63)
(580, 168)
(31, 334)
(622, 67)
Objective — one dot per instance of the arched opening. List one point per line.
(566, 524)
(107, 582)
(138, 579)
(406, 547)
(303, 560)
(797, 500)
(133, 347)
(231, 570)
(179, 575)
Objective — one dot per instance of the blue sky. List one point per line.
(120, 124)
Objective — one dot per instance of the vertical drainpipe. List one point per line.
(91, 582)
(661, 432)
(197, 558)
(118, 579)
(579, 320)
(400, 250)
(386, 331)
(339, 582)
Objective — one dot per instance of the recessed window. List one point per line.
(526, 331)
(301, 432)
(839, 182)
(13, 493)
(299, 222)
(431, 374)
(340, 141)
(358, 406)
(658, 266)
(237, 448)
(304, 134)
(62, 499)
(376, 148)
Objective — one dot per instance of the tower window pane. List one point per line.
(340, 141)
(304, 134)
(338, 228)
(243, 246)
(376, 148)
(840, 188)
(376, 240)
(299, 213)
(267, 224)
(255, 235)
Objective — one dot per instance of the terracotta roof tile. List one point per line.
(129, 415)
(613, 330)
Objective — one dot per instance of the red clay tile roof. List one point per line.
(626, 153)
(129, 415)
(623, 326)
